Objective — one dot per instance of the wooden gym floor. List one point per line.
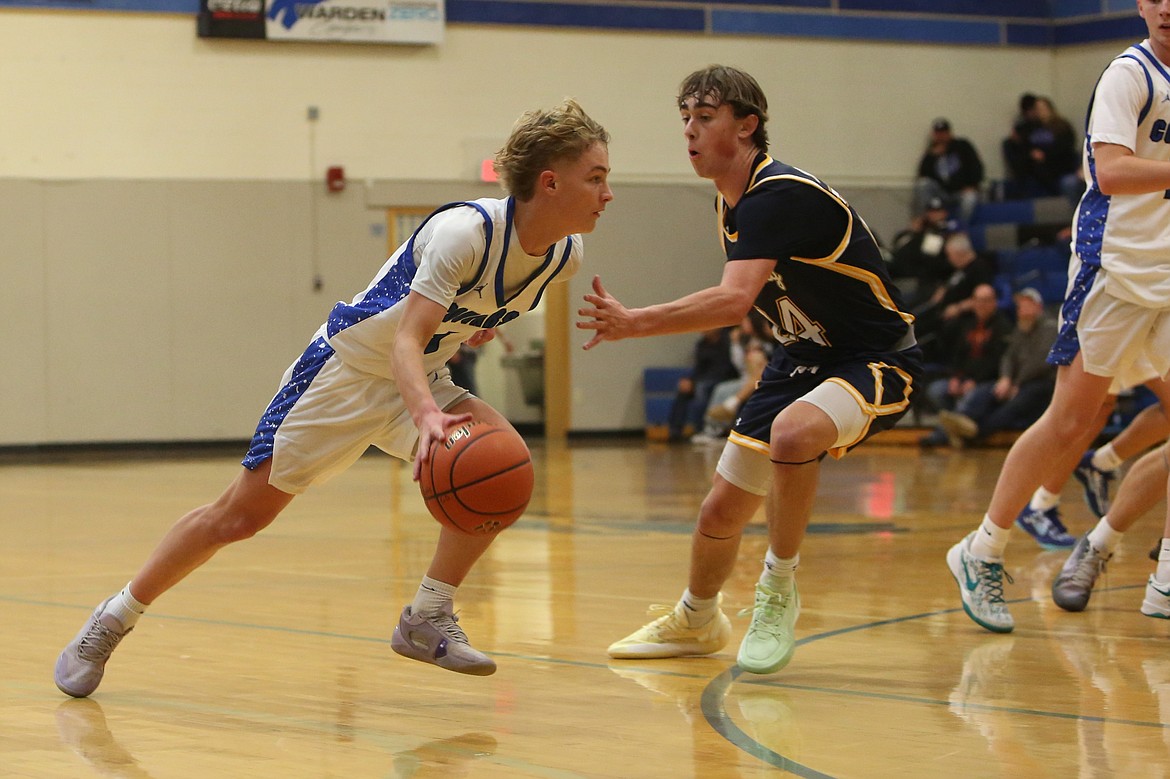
(273, 660)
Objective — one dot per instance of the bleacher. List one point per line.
(1023, 239)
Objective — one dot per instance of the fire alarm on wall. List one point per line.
(335, 178)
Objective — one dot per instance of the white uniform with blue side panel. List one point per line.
(1121, 243)
(340, 396)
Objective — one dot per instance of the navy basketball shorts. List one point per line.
(880, 383)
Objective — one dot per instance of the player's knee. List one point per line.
(1066, 428)
(229, 525)
(715, 521)
(796, 449)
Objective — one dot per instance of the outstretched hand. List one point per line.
(610, 319)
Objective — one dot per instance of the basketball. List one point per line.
(479, 480)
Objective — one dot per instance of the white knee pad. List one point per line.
(843, 408)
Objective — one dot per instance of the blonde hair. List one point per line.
(541, 138)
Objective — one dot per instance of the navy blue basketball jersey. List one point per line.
(830, 295)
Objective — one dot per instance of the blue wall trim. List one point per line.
(1028, 9)
(155, 6)
(826, 4)
(1029, 35)
(853, 27)
(575, 15)
(1126, 28)
(1064, 9)
(956, 22)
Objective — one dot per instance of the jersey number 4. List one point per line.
(793, 324)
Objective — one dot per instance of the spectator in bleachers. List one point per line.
(953, 296)
(950, 169)
(712, 364)
(751, 348)
(1041, 153)
(975, 343)
(918, 263)
(1025, 383)
(1015, 147)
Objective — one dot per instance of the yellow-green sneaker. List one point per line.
(672, 636)
(771, 637)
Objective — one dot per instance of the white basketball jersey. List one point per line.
(464, 256)
(1129, 235)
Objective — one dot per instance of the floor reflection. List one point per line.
(447, 758)
(81, 724)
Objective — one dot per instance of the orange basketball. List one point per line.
(479, 480)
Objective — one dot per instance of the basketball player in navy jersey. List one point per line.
(847, 362)
(1114, 333)
(375, 374)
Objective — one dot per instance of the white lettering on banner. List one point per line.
(236, 6)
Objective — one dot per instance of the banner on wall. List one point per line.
(347, 21)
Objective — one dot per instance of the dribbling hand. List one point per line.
(432, 431)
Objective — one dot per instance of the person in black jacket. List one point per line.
(1042, 154)
(950, 169)
(712, 365)
(918, 262)
(951, 297)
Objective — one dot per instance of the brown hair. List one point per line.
(734, 87)
(540, 138)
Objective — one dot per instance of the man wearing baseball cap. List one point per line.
(950, 169)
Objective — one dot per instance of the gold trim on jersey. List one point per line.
(879, 290)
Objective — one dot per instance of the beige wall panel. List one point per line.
(246, 265)
(239, 257)
(1077, 70)
(653, 244)
(24, 315)
(350, 246)
(129, 95)
(109, 318)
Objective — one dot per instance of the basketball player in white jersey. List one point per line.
(1115, 328)
(374, 374)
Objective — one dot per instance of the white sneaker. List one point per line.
(1157, 601)
(981, 587)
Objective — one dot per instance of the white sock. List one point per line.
(1104, 538)
(125, 608)
(698, 611)
(1162, 574)
(433, 598)
(1105, 459)
(1042, 499)
(779, 572)
(990, 541)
